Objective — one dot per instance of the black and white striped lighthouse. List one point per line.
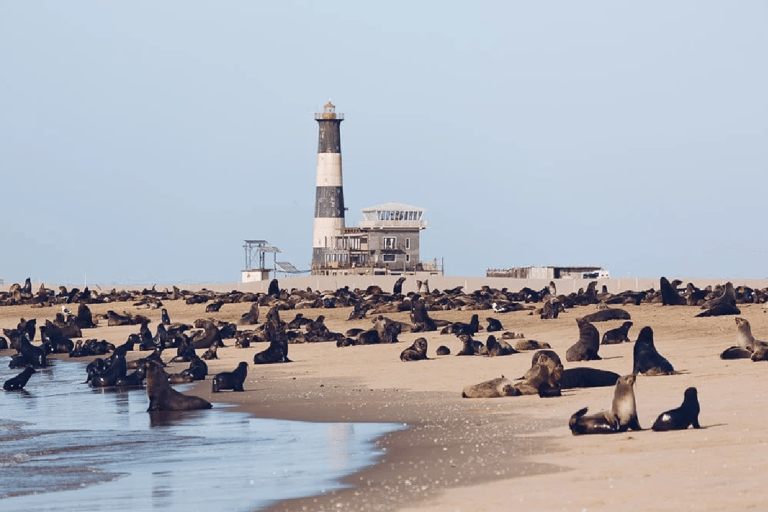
(329, 193)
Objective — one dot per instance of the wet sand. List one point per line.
(490, 454)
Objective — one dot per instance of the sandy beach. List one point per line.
(493, 454)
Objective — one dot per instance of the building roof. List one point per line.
(394, 206)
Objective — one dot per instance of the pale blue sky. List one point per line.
(142, 141)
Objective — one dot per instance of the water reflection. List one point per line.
(60, 434)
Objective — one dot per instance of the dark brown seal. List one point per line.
(230, 380)
(18, 382)
(416, 352)
(646, 359)
(617, 335)
(682, 417)
(589, 343)
(162, 397)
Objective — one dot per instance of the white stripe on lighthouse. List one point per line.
(329, 170)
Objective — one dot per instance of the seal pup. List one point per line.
(617, 335)
(18, 382)
(397, 289)
(646, 359)
(682, 417)
(230, 380)
(416, 352)
(621, 417)
(442, 350)
(471, 347)
(162, 397)
(589, 342)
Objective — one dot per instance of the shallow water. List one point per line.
(65, 446)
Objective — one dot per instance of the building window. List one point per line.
(407, 243)
(407, 257)
(389, 257)
(390, 242)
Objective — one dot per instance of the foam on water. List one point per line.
(65, 446)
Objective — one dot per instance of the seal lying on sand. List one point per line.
(646, 359)
(607, 314)
(682, 417)
(583, 377)
(498, 348)
(543, 379)
(621, 417)
(725, 304)
(162, 397)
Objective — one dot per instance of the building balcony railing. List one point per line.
(393, 224)
(326, 116)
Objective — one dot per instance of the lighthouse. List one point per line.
(329, 191)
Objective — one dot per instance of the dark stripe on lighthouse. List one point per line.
(329, 202)
(329, 140)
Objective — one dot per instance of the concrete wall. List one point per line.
(470, 284)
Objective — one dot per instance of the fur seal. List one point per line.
(32, 354)
(583, 377)
(669, 295)
(531, 345)
(471, 347)
(250, 317)
(542, 379)
(416, 352)
(116, 368)
(621, 417)
(646, 359)
(747, 346)
(398, 287)
(18, 382)
(442, 350)
(607, 314)
(682, 417)
(725, 304)
(277, 352)
(617, 335)
(230, 380)
(162, 397)
(493, 388)
(498, 348)
(589, 342)
(493, 325)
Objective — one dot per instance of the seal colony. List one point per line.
(352, 366)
